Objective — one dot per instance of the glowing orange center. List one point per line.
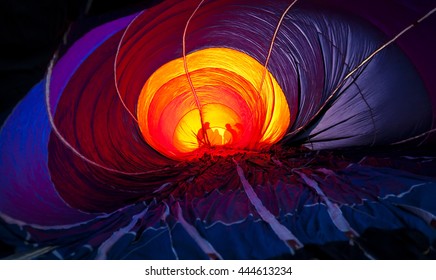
(235, 113)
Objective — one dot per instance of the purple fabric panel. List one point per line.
(26, 191)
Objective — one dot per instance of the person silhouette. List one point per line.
(230, 134)
(215, 138)
(202, 134)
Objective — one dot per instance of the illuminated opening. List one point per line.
(235, 114)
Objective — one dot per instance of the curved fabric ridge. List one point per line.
(227, 84)
(32, 198)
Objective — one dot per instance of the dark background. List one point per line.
(32, 30)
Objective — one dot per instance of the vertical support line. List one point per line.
(188, 76)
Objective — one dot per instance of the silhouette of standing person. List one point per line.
(202, 134)
(230, 135)
(215, 138)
